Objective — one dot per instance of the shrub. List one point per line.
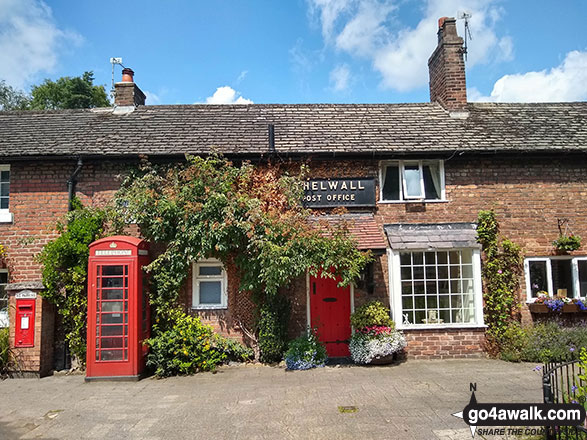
(233, 350)
(6, 359)
(545, 342)
(305, 352)
(185, 347)
(375, 343)
(370, 314)
(272, 328)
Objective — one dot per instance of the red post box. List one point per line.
(24, 335)
(118, 308)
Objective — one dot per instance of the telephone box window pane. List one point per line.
(112, 330)
(582, 277)
(114, 306)
(112, 282)
(211, 270)
(562, 277)
(112, 294)
(112, 355)
(538, 277)
(111, 318)
(412, 176)
(111, 343)
(112, 270)
(210, 292)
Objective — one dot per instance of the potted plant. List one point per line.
(567, 243)
(375, 340)
(546, 304)
(305, 352)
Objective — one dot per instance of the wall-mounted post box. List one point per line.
(118, 308)
(24, 334)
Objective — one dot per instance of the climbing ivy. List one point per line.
(501, 276)
(249, 215)
(65, 271)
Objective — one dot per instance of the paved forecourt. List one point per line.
(412, 400)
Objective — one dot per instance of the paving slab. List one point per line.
(411, 400)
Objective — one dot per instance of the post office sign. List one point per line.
(331, 193)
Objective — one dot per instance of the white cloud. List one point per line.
(370, 29)
(242, 76)
(152, 98)
(565, 82)
(340, 77)
(30, 41)
(227, 95)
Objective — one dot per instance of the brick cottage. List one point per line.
(413, 178)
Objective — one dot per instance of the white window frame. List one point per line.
(4, 314)
(401, 164)
(196, 279)
(395, 298)
(5, 214)
(549, 282)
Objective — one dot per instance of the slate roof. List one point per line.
(299, 129)
(362, 228)
(432, 236)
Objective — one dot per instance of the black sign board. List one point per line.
(330, 193)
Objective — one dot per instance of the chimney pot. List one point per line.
(127, 75)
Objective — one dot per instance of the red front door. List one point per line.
(330, 313)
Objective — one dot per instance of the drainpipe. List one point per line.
(71, 184)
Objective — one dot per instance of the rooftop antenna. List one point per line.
(114, 61)
(465, 16)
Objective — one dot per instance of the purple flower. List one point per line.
(537, 368)
(572, 349)
(574, 401)
(535, 286)
(499, 271)
(574, 388)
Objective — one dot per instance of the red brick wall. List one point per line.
(528, 195)
(445, 343)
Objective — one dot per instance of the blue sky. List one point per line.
(297, 51)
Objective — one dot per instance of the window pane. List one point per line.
(3, 202)
(210, 270)
(582, 277)
(4, 189)
(538, 277)
(112, 270)
(562, 277)
(210, 292)
(412, 179)
(431, 182)
(5, 176)
(391, 184)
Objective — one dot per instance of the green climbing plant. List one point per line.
(65, 271)
(501, 278)
(248, 216)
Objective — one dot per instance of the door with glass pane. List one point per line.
(111, 313)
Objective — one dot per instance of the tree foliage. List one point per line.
(248, 215)
(69, 92)
(65, 271)
(12, 99)
(501, 276)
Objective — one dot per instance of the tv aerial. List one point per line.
(114, 61)
(465, 16)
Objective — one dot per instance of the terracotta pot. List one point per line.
(384, 360)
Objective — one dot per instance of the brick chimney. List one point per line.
(126, 92)
(446, 67)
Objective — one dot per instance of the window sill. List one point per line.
(439, 326)
(6, 217)
(214, 307)
(400, 202)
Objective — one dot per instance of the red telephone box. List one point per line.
(24, 335)
(118, 308)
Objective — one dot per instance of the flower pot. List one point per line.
(538, 308)
(383, 360)
(570, 308)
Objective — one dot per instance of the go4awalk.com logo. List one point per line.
(514, 415)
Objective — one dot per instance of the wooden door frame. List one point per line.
(308, 309)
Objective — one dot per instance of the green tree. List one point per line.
(12, 99)
(68, 92)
